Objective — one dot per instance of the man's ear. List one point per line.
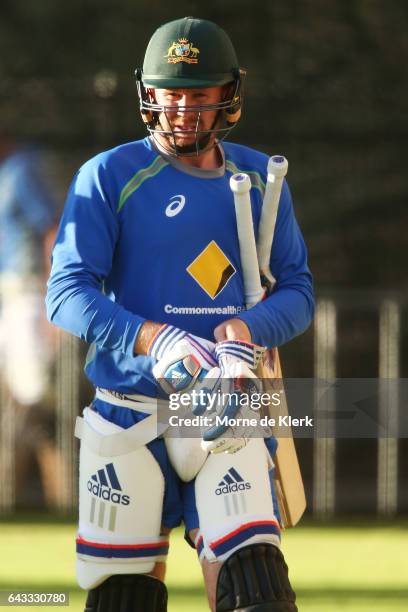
(228, 91)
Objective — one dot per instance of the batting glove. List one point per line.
(237, 362)
(182, 359)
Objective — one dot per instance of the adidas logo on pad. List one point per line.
(231, 483)
(105, 485)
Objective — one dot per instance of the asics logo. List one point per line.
(176, 205)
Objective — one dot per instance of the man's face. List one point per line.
(185, 123)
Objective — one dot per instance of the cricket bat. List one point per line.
(255, 266)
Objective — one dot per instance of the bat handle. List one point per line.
(240, 186)
(277, 169)
(240, 183)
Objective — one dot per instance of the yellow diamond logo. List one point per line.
(212, 269)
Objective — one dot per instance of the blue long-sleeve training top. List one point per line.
(144, 236)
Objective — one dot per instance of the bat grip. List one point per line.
(240, 185)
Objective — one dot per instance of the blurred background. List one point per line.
(326, 86)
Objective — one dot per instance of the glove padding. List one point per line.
(236, 382)
(182, 359)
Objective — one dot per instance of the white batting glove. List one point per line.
(237, 360)
(182, 359)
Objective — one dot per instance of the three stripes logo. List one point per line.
(232, 483)
(105, 485)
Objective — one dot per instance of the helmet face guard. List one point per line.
(190, 53)
(228, 114)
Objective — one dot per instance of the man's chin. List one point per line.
(183, 141)
(187, 145)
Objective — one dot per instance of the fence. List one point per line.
(387, 326)
(389, 359)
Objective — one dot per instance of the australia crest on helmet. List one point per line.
(182, 51)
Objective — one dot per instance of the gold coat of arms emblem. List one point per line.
(182, 51)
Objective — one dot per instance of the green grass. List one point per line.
(352, 568)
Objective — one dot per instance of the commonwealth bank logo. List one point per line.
(212, 269)
(107, 495)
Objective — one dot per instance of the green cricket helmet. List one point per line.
(184, 54)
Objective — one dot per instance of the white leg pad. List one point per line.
(234, 502)
(186, 456)
(120, 508)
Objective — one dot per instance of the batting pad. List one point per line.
(234, 502)
(120, 508)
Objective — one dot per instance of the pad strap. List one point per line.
(135, 402)
(122, 442)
